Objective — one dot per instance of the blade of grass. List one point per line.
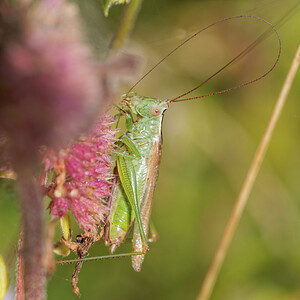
(220, 254)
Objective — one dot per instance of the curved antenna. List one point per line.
(234, 60)
(193, 36)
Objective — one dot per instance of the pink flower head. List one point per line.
(83, 176)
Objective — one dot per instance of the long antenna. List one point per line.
(186, 41)
(278, 23)
(234, 60)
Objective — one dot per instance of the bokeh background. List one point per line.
(207, 148)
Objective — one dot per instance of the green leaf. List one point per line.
(108, 3)
(4, 279)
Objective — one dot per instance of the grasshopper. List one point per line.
(137, 167)
(137, 164)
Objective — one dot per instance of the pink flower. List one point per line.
(83, 176)
(49, 82)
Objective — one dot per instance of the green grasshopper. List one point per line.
(137, 164)
(138, 158)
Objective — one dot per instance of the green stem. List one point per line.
(126, 24)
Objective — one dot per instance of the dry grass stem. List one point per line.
(214, 269)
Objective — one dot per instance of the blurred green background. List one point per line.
(208, 146)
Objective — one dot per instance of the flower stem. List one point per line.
(33, 237)
(126, 24)
(220, 254)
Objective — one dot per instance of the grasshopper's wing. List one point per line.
(145, 205)
(128, 180)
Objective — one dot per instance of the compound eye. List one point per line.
(155, 111)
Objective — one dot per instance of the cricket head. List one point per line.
(146, 107)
